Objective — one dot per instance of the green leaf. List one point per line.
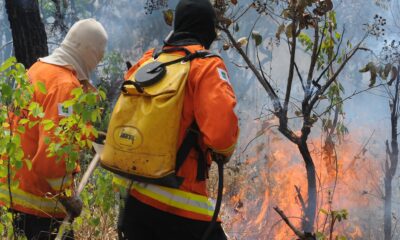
(47, 140)
(23, 121)
(102, 94)
(94, 116)
(257, 37)
(77, 92)
(6, 91)
(32, 124)
(18, 164)
(3, 171)
(69, 103)
(91, 99)
(94, 132)
(21, 129)
(7, 64)
(324, 211)
(337, 35)
(86, 115)
(28, 164)
(78, 108)
(41, 87)
(305, 40)
(35, 109)
(47, 124)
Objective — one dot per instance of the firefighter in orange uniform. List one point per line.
(68, 67)
(209, 100)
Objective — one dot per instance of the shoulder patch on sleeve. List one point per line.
(64, 111)
(223, 74)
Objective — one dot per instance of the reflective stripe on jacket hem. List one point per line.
(169, 209)
(26, 202)
(174, 198)
(58, 183)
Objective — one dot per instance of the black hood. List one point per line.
(194, 23)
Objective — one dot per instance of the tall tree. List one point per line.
(392, 159)
(309, 25)
(29, 35)
(387, 69)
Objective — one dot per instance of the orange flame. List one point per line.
(274, 171)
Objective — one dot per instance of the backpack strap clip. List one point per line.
(126, 83)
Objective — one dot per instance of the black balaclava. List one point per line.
(194, 23)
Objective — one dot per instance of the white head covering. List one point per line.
(82, 49)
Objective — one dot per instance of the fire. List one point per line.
(269, 178)
(264, 208)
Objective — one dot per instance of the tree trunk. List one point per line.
(29, 35)
(310, 211)
(391, 166)
(388, 208)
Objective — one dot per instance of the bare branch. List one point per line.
(5, 45)
(314, 56)
(298, 233)
(301, 199)
(299, 75)
(264, 82)
(261, 133)
(243, 13)
(291, 67)
(322, 39)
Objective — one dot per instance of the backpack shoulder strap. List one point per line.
(189, 55)
(193, 133)
(206, 54)
(191, 142)
(158, 52)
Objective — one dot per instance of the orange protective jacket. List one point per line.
(37, 187)
(209, 100)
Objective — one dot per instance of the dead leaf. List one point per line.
(280, 30)
(242, 41)
(257, 37)
(394, 74)
(289, 30)
(168, 16)
(225, 46)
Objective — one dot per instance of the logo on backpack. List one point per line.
(127, 137)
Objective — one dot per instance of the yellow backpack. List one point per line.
(142, 136)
